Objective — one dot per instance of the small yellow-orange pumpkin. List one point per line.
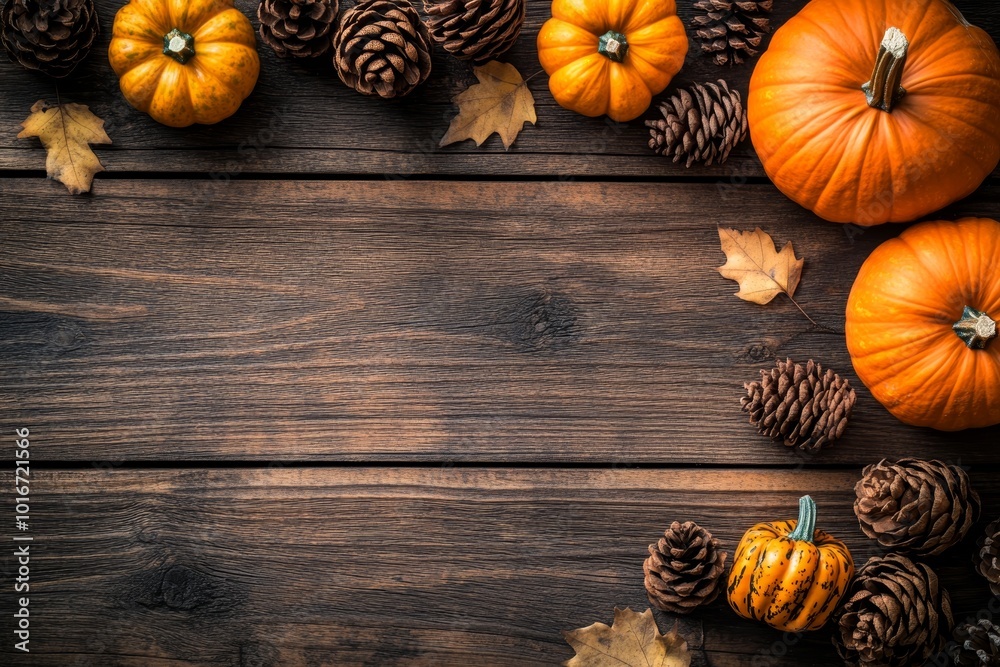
(184, 61)
(788, 574)
(611, 56)
(872, 111)
(921, 322)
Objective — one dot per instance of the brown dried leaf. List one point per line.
(66, 131)
(753, 262)
(633, 640)
(500, 102)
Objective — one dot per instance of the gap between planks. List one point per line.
(235, 482)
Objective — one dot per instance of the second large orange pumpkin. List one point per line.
(611, 57)
(872, 111)
(922, 324)
(184, 61)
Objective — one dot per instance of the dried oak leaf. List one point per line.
(66, 130)
(633, 640)
(753, 261)
(500, 102)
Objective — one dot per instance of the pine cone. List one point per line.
(476, 30)
(49, 36)
(684, 568)
(702, 124)
(732, 30)
(977, 644)
(382, 48)
(297, 28)
(988, 557)
(914, 506)
(801, 405)
(896, 614)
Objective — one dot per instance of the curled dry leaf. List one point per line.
(500, 102)
(753, 261)
(66, 131)
(633, 640)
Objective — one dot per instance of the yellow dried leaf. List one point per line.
(66, 131)
(753, 262)
(633, 640)
(500, 102)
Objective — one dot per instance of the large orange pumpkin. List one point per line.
(872, 111)
(184, 61)
(921, 323)
(611, 56)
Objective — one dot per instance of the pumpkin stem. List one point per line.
(885, 88)
(178, 45)
(806, 527)
(613, 45)
(976, 328)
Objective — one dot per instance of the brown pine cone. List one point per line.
(49, 36)
(732, 29)
(800, 405)
(476, 30)
(382, 48)
(988, 557)
(297, 28)
(896, 614)
(684, 568)
(914, 506)
(976, 644)
(702, 124)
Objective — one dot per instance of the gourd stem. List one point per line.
(613, 46)
(806, 527)
(976, 328)
(885, 88)
(178, 45)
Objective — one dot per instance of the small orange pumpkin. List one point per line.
(873, 111)
(921, 323)
(611, 57)
(184, 61)
(788, 574)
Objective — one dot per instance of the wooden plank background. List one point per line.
(303, 120)
(306, 389)
(444, 567)
(419, 321)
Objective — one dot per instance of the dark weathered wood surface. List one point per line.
(417, 321)
(304, 120)
(177, 346)
(372, 566)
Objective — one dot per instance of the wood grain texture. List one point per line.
(445, 567)
(417, 320)
(405, 320)
(302, 119)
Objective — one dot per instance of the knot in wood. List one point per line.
(180, 588)
(759, 352)
(184, 589)
(66, 336)
(542, 320)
